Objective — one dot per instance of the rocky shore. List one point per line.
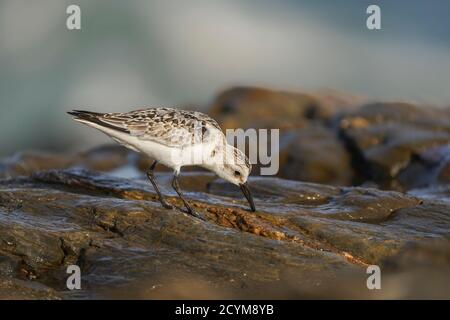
(359, 184)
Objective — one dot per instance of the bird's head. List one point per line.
(235, 168)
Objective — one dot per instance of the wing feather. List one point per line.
(167, 126)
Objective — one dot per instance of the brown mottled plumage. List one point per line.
(169, 126)
(175, 138)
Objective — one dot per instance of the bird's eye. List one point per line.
(237, 173)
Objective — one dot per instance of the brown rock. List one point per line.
(389, 142)
(314, 154)
(246, 107)
(302, 235)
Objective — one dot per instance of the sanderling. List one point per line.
(174, 138)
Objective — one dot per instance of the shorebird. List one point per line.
(174, 138)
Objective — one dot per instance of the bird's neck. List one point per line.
(217, 157)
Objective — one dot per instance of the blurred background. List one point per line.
(132, 54)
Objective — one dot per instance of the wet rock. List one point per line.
(396, 146)
(434, 253)
(24, 163)
(302, 236)
(306, 240)
(391, 143)
(16, 289)
(253, 107)
(314, 154)
(418, 271)
(365, 223)
(116, 226)
(248, 107)
(427, 168)
(337, 101)
(104, 158)
(439, 193)
(305, 142)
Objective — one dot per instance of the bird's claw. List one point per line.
(166, 205)
(195, 214)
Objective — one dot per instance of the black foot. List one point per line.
(166, 205)
(194, 213)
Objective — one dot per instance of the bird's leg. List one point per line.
(151, 177)
(176, 186)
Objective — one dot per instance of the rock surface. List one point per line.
(314, 154)
(397, 145)
(328, 138)
(303, 238)
(384, 200)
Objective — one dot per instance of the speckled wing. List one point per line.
(167, 126)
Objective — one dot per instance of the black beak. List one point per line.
(248, 196)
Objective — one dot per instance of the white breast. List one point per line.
(172, 157)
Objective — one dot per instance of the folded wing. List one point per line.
(167, 126)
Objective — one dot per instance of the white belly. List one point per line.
(171, 157)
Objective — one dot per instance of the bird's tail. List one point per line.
(89, 117)
(85, 115)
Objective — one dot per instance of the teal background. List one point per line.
(131, 54)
